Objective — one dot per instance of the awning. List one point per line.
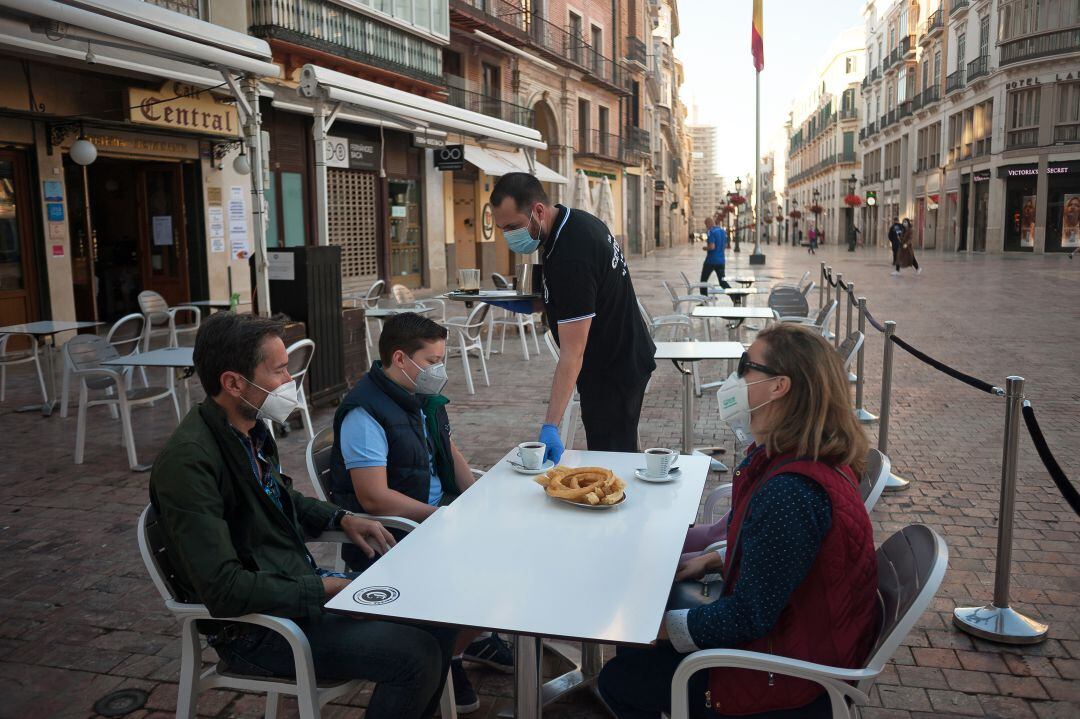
(499, 162)
(321, 83)
(134, 36)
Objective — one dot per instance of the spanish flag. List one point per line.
(757, 43)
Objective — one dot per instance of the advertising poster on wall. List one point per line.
(1027, 222)
(1070, 221)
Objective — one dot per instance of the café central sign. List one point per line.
(183, 107)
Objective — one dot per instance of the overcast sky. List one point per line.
(714, 46)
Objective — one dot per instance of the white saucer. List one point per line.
(671, 476)
(531, 472)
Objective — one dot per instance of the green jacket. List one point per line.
(232, 548)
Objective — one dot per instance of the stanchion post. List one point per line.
(839, 295)
(997, 621)
(893, 483)
(822, 285)
(860, 412)
(847, 303)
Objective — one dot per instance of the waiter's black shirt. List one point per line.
(585, 275)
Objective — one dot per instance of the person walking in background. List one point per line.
(905, 253)
(812, 247)
(715, 246)
(896, 231)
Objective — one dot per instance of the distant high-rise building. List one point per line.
(706, 187)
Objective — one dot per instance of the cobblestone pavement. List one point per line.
(80, 618)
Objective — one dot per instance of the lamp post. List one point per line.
(738, 191)
(851, 181)
(780, 216)
(817, 211)
(795, 222)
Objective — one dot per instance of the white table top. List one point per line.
(213, 303)
(46, 327)
(506, 557)
(162, 357)
(695, 351)
(392, 311)
(733, 313)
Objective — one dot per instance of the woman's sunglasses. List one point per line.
(746, 365)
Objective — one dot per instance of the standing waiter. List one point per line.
(604, 346)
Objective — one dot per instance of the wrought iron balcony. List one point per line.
(959, 6)
(636, 51)
(930, 95)
(904, 109)
(638, 139)
(954, 81)
(336, 30)
(606, 146)
(892, 116)
(883, 122)
(1030, 47)
(490, 106)
(849, 114)
(906, 47)
(934, 22)
(978, 67)
(887, 61)
(875, 74)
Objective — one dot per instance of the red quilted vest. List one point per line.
(832, 617)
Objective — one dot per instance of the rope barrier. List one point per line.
(1068, 491)
(954, 373)
(851, 298)
(873, 323)
(830, 280)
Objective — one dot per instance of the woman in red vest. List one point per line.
(800, 572)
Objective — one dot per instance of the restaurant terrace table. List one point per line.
(385, 312)
(709, 312)
(681, 352)
(178, 358)
(506, 557)
(47, 330)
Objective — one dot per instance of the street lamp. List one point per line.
(781, 216)
(851, 181)
(738, 191)
(817, 210)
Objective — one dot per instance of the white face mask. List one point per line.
(278, 404)
(734, 400)
(431, 380)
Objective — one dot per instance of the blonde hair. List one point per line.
(815, 418)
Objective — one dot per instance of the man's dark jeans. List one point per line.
(707, 269)
(408, 663)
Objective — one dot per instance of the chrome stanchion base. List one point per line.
(896, 484)
(865, 417)
(999, 624)
(852, 377)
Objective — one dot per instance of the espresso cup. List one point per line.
(659, 461)
(531, 454)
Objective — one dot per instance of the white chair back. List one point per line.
(371, 299)
(300, 354)
(85, 352)
(872, 483)
(849, 348)
(500, 282)
(153, 555)
(318, 454)
(403, 295)
(126, 334)
(789, 302)
(549, 340)
(474, 323)
(806, 290)
(154, 307)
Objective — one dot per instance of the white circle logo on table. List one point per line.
(374, 596)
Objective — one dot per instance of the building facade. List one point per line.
(706, 186)
(975, 139)
(822, 155)
(671, 146)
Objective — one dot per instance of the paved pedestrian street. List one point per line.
(80, 617)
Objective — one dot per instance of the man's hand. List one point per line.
(697, 567)
(333, 585)
(549, 435)
(369, 535)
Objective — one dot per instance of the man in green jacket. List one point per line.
(234, 530)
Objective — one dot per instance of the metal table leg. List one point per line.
(50, 382)
(527, 700)
(585, 657)
(688, 408)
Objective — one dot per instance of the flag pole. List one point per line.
(756, 258)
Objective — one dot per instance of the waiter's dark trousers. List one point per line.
(610, 414)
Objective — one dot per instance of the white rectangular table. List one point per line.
(506, 557)
(680, 352)
(739, 314)
(179, 358)
(47, 330)
(386, 312)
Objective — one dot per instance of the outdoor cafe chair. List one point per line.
(797, 285)
(911, 564)
(85, 354)
(469, 331)
(789, 302)
(126, 335)
(406, 298)
(568, 423)
(161, 320)
(683, 304)
(311, 694)
(819, 322)
(849, 350)
(10, 358)
(370, 301)
(808, 288)
(300, 354)
(505, 318)
(691, 286)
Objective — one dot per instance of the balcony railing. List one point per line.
(959, 6)
(636, 51)
(871, 129)
(191, 8)
(935, 22)
(825, 163)
(930, 95)
(849, 114)
(604, 145)
(1057, 42)
(904, 109)
(338, 31)
(892, 116)
(954, 81)
(884, 121)
(490, 106)
(1021, 138)
(1067, 133)
(887, 61)
(907, 46)
(638, 140)
(979, 67)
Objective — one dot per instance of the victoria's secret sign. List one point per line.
(1034, 171)
(183, 107)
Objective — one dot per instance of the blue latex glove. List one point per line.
(549, 435)
(522, 307)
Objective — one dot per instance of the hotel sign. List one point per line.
(183, 107)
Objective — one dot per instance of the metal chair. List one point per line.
(911, 565)
(406, 298)
(161, 319)
(568, 423)
(310, 693)
(126, 336)
(849, 348)
(506, 318)
(370, 301)
(788, 302)
(300, 354)
(807, 289)
(681, 326)
(14, 357)
(469, 331)
(691, 286)
(820, 322)
(678, 301)
(85, 353)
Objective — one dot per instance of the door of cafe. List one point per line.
(18, 276)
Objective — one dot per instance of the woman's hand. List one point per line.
(697, 567)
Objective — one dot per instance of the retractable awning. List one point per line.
(134, 36)
(499, 162)
(335, 87)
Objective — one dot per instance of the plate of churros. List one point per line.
(587, 487)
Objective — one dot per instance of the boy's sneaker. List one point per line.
(895, 273)
(491, 651)
(464, 695)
